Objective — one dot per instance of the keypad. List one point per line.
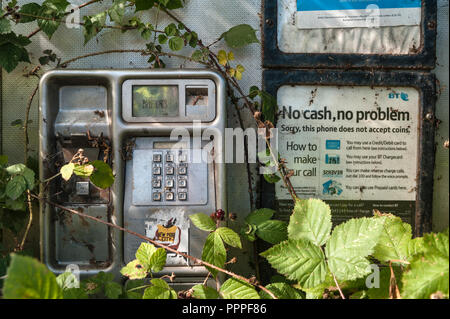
(169, 176)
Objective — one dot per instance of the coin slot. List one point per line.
(197, 96)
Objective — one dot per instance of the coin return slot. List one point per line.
(197, 96)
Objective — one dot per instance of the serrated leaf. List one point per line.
(415, 246)
(144, 4)
(117, 11)
(93, 25)
(16, 187)
(67, 171)
(159, 290)
(394, 240)
(259, 216)
(272, 231)
(311, 220)
(27, 278)
(158, 260)
(134, 270)
(437, 243)
(282, 291)
(203, 222)
(240, 36)
(204, 292)
(176, 43)
(214, 252)
(28, 12)
(230, 237)
(5, 25)
(236, 289)
(428, 274)
(348, 246)
(11, 55)
(67, 280)
(298, 260)
(83, 171)
(113, 290)
(16, 169)
(144, 254)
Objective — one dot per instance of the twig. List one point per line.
(194, 259)
(338, 287)
(30, 221)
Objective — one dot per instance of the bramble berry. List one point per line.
(220, 214)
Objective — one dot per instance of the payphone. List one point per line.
(161, 132)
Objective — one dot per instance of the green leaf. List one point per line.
(437, 243)
(27, 9)
(259, 216)
(240, 36)
(311, 220)
(11, 55)
(29, 279)
(203, 222)
(75, 293)
(394, 240)
(5, 25)
(172, 4)
(272, 231)
(117, 11)
(171, 30)
(272, 178)
(67, 171)
(142, 5)
(16, 205)
(428, 274)
(67, 280)
(134, 270)
(204, 292)
(269, 106)
(53, 10)
(415, 246)
(298, 260)
(29, 176)
(158, 260)
(176, 43)
(237, 289)
(230, 237)
(113, 290)
(282, 291)
(162, 39)
(3, 160)
(102, 176)
(83, 171)
(348, 246)
(144, 254)
(214, 252)
(93, 25)
(16, 169)
(159, 290)
(16, 187)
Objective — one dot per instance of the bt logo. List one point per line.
(403, 96)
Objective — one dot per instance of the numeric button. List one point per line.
(182, 170)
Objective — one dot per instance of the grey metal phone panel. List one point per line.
(119, 132)
(186, 112)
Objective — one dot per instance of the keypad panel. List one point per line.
(170, 176)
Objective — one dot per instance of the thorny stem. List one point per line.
(194, 259)
(30, 220)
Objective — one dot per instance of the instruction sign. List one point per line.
(354, 147)
(314, 14)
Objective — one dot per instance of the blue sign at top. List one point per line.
(318, 5)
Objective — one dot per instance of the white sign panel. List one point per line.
(315, 14)
(348, 144)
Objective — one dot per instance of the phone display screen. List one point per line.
(155, 101)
